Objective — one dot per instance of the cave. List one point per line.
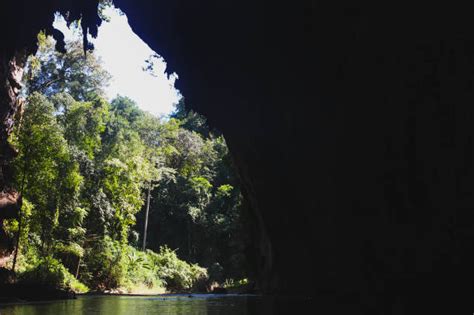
(350, 125)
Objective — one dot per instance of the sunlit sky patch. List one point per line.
(123, 55)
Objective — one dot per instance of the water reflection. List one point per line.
(177, 304)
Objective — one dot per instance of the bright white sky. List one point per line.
(123, 55)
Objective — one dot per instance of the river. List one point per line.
(205, 304)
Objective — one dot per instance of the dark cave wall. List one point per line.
(352, 128)
(223, 53)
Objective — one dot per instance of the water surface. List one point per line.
(137, 305)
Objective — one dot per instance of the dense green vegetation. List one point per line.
(86, 170)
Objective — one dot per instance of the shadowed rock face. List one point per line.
(352, 129)
(10, 204)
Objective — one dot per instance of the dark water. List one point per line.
(133, 305)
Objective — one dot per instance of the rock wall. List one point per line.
(351, 126)
(11, 72)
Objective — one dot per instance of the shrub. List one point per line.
(110, 265)
(177, 274)
(105, 266)
(70, 255)
(200, 278)
(141, 270)
(50, 272)
(234, 284)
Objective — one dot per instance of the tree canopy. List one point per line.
(87, 166)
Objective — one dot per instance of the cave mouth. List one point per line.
(113, 190)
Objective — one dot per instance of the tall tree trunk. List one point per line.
(145, 230)
(78, 266)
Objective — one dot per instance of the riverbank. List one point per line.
(17, 293)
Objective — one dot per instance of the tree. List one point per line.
(87, 168)
(46, 173)
(203, 200)
(78, 74)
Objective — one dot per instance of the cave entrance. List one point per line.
(124, 189)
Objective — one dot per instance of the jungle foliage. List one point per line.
(85, 169)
